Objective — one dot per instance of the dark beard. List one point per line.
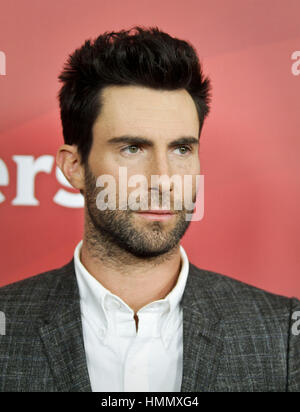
(116, 227)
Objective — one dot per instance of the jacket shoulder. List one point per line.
(234, 295)
(35, 287)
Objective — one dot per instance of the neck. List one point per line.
(137, 281)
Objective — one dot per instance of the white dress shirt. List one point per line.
(119, 358)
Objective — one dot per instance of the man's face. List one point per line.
(161, 118)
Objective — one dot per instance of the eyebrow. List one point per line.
(145, 141)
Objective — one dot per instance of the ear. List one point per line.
(68, 160)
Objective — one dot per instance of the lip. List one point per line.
(157, 214)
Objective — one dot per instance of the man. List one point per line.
(129, 312)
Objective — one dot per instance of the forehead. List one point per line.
(141, 111)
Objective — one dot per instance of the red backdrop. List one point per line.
(250, 143)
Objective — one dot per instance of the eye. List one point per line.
(183, 149)
(132, 149)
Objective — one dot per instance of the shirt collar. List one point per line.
(99, 304)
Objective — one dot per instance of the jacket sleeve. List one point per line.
(293, 367)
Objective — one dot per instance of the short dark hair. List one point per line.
(148, 57)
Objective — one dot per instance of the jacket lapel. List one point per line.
(61, 333)
(202, 334)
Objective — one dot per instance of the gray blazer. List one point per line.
(236, 338)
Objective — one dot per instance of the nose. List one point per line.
(160, 165)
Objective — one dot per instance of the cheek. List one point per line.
(103, 166)
(190, 166)
(191, 179)
(195, 167)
